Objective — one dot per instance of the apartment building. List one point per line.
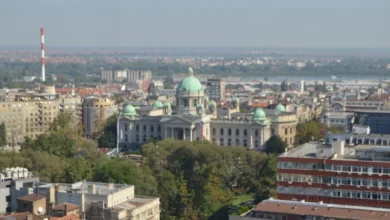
(96, 110)
(28, 115)
(336, 173)
(127, 75)
(14, 183)
(102, 200)
(215, 89)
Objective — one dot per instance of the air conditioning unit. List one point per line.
(349, 173)
(338, 172)
(337, 185)
(309, 183)
(379, 174)
(289, 182)
(358, 186)
(329, 184)
(369, 174)
(379, 187)
(368, 187)
(359, 173)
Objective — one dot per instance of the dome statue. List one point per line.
(129, 110)
(190, 83)
(259, 115)
(280, 108)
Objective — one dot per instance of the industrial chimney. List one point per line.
(43, 76)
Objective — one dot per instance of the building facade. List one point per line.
(337, 120)
(215, 89)
(96, 110)
(28, 115)
(336, 173)
(377, 120)
(14, 183)
(128, 75)
(194, 120)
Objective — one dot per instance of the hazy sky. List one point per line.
(204, 23)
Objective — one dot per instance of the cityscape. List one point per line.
(175, 110)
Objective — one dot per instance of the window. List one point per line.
(195, 102)
(151, 128)
(221, 131)
(237, 132)
(272, 131)
(229, 131)
(285, 131)
(213, 131)
(237, 142)
(126, 138)
(125, 127)
(185, 102)
(144, 128)
(256, 133)
(221, 142)
(245, 132)
(8, 198)
(229, 142)
(137, 128)
(290, 130)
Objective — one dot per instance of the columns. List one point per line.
(166, 132)
(250, 138)
(184, 133)
(191, 130)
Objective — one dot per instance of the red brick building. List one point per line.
(336, 173)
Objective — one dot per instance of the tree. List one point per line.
(108, 138)
(78, 170)
(3, 135)
(275, 145)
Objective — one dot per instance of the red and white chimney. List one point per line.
(43, 76)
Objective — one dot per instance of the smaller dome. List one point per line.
(206, 98)
(212, 104)
(280, 108)
(167, 104)
(157, 104)
(129, 110)
(199, 106)
(259, 115)
(235, 99)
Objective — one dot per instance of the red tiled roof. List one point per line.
(67, 217)
(70, 207)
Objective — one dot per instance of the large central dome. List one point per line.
(190, 83)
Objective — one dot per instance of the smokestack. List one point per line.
(43, 76)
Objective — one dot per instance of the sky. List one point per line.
(197, 23)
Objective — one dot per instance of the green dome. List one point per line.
(157, 104)
(235, 99)
(280, 108)
(167, 104)
(259, 115)
(206, 98)
(129, 110)
(212, 104)
(199, 106)
(190, 83)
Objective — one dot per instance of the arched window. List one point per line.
(272, 131)
(213, 131)
(221, 131)
(285, 140)
(137, 128)
(285, 131)
(214, 140)
(144, 128)
(256, 133)
(144, 138)
(245, 143)
(237, 132)
(291, 140)
(221, 142)
(256, 143)
(151, 128)
(126, 138)
(158, 129)
(290, 130)
(126, 126)
(245, 132)
(237, 142)
(229, 131)
(229, 142)
(137, 138)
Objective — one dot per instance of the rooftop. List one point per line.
(84, 187)
(70, 207)
(323, 210)
(131, 204)
(32, 197)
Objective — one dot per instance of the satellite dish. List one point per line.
(40, 210)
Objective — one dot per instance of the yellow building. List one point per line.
(96, 110)
(283, 124)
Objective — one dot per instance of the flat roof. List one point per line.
(82, 187)
(134, 203)
(323, 210)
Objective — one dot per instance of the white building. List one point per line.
(195, 119)
(337, 120)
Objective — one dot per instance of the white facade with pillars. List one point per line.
(192, 122)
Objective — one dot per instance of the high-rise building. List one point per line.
(128, 75)
(96, 110)
(215, 89)
(339, 173)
